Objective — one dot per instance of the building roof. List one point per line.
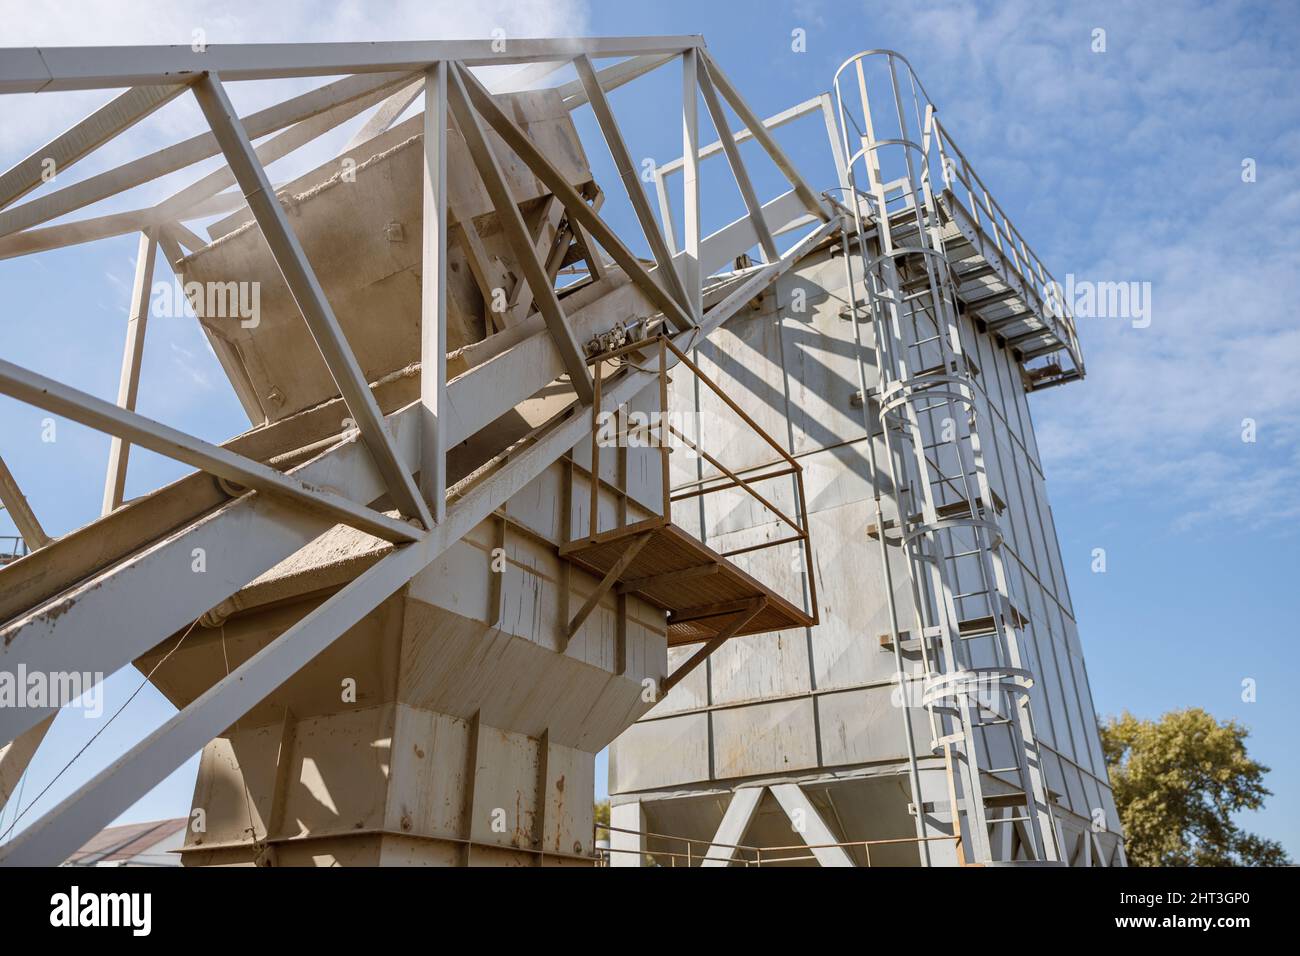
(117, 844)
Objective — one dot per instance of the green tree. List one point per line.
(1178, 781)
(602, 819)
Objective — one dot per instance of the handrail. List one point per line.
(691, 858)
(12, 547)
(663, 432)
(991, 221)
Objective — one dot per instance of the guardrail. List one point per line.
(928, 144)
(696, 851)
(12, 547)
(1016, 252)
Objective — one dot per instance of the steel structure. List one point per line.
(902, 388)
(409, 502)
(427, 460)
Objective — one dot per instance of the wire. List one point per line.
(13, 823)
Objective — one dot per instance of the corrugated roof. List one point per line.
(126, 841)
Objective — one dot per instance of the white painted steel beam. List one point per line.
(810, 826)
(740, 811)
(433, 293)
(48, 69)
(574, 94)
(692, 277)
(386, 115)
(775, 121)
(60, 153)
(630, 176)
(738, 171)
(720, 249)
(187, 152)
(106, 227)
(308, 294)
(128, 387)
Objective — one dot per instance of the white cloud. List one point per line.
(30, 120)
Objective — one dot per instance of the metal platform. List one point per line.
(708, 597)
(702, 591)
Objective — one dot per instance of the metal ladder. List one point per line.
(947, 514)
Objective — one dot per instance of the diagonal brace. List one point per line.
(628, 174)
(746, 615)
(579, 211)
(28, 386)
(518, 236)
(607, 582)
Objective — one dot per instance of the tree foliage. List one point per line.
(1177, 783)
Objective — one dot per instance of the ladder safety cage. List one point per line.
(926, 404)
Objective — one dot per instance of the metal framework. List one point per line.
(709, 598)
(110, 594)
(98, 598)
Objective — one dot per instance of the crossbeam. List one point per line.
(56, 156)
(629, 175)
(132, 355)
(738, 170)
(50, 69)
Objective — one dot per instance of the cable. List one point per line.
(13, 823)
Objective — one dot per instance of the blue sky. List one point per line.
(1123, 165)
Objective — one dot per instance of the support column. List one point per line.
(808, 823)
(740, 811)
(129, 385)
(433, 310)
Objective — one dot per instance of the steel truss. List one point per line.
(125, 601)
